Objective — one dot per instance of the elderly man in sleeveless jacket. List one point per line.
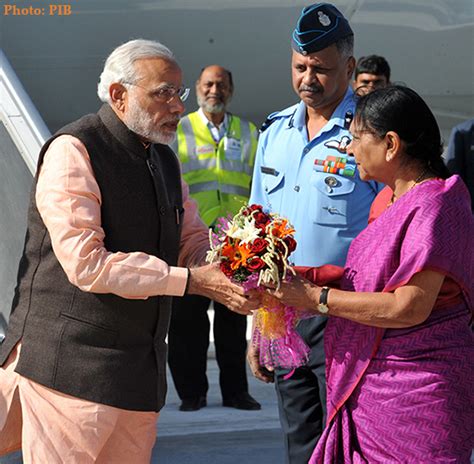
(110, 231)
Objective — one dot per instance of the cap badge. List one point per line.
(324, 19)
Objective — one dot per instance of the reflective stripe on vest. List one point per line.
(224, 188)
(195, 165)
(185, 138)
(187, 146)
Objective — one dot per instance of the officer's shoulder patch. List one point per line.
(286, 113)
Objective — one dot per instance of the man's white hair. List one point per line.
(119, 66)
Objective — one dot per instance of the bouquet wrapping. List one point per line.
(253, 249)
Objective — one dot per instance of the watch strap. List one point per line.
(323, 296)
(323, 301)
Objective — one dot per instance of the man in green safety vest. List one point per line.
(217, 151)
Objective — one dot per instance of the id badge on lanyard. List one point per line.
(232, 148)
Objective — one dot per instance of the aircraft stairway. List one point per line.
(22, 133)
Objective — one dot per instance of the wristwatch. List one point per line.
(323, 300)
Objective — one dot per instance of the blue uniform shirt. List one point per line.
(459, 155)
(327, 210)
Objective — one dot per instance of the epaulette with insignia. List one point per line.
(287, 112)
(348, 117)
(268, 122)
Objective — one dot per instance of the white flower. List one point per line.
(246, 232)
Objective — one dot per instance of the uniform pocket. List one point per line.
(332, 198)
(271, 182)
(273, 186)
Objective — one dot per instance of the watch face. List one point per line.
(322, 308)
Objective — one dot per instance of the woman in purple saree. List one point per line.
(399, 342)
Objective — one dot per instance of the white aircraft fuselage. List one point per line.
(59, 55)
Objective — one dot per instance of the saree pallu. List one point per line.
(405, 395)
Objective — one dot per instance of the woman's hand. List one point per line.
(299, 293)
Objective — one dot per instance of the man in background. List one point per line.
(460, 154)
(371, 72)
(295, 176)
(217, 151)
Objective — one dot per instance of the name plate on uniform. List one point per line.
(267, 170)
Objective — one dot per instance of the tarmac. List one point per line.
(217, 434)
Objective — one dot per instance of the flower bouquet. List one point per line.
(253, 249)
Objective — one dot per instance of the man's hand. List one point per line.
(260, 372)
(210, 282)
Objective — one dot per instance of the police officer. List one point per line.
(303, 172)
(217, 152)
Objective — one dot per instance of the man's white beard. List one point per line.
(140, 122)
(209, 107)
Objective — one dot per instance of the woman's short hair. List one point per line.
(119, 66)
(400, 109)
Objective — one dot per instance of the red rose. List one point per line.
(290, 243)
(258, 245)
(255, 264)
(226, 269)
(261, 219)
(262, 228)
(255, 207)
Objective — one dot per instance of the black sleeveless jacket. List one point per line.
(102, 347)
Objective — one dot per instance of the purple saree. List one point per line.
(405, 395)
